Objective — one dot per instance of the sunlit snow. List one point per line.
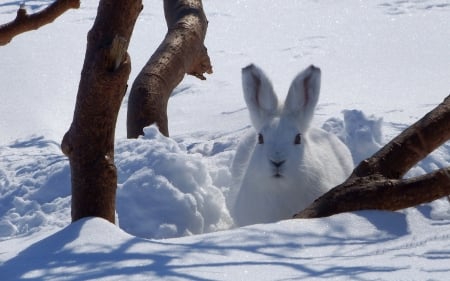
(384, 65)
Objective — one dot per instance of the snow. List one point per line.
(171, 191)
(362, 246)
(384, 65)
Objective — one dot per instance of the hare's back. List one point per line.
(334, 155)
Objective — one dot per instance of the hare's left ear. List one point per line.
(303, 96)
(259, 96)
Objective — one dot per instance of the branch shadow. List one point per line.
(396, 226)
(54, 259)
(61, 257)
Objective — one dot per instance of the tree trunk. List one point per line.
(182, 51)
(24, 22)
(89, 142)
(376, 183)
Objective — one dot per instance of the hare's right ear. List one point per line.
(261, 100)
(302, 97)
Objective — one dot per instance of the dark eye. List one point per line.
(298, 139)
(260, 139)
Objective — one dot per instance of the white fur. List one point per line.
(268, 193)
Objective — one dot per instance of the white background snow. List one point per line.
(389, 59)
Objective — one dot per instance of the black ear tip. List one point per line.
(248, 67)
(314, 68)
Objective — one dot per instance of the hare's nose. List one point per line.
(277, 164)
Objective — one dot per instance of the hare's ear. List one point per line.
(259, 96)
(303, 96)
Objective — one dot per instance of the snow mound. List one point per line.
(164, 191)
(80, 246)
(362, 134)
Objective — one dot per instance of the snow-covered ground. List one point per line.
(379, 59)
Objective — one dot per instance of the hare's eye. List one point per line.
(298, 139)
(260, 139)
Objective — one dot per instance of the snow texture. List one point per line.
(384, 65)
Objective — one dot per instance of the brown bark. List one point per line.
(376, 183)
(24, 22)
(89, 142)
(182, 51)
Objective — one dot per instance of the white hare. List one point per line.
(285, 165)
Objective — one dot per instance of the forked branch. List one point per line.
(377, 182)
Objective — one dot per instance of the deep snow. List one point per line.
(384, 64)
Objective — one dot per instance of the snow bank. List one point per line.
(166, 187)
(164, 191)
(368, 245)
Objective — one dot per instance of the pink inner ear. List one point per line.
(257, 88)
(305, 90)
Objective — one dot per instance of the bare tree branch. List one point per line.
(182, 51)
(89, 142)
(376, 183)
(24, 22)
(380, 194)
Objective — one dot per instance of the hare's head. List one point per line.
(280, 129)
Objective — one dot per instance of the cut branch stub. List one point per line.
(202, 65)
(117, 52)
